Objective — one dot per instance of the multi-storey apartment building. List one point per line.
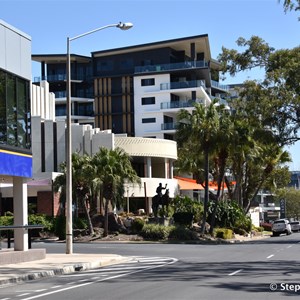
(139, 89)
(53, 70)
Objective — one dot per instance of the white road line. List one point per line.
(55, 286)
(289, 246)
(236, 272)
(270, 256)
(25, 294)
(100, 280)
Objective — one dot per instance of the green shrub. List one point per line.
(186, 204)
(137, 225)
(155, 232)
(80, 223)
(182, 233)
(38, 219)
(6, 220)
(223, 233)
(183, 218)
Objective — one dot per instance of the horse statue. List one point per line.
(164, 201)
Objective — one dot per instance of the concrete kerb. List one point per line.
(13, 276)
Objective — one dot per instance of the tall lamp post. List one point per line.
(69, 221)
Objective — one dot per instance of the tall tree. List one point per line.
(198, 132)
(81, 184)
(275, 101)
(290, 5)
(113, 169)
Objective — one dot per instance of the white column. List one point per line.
(166, 168)
(171, 169)
(20, 213)
(149, 168)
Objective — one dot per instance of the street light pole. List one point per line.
(69, 221)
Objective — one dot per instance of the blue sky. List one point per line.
(49, 23)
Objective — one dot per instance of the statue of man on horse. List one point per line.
(160, 199)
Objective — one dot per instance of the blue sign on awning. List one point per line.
(15, 164)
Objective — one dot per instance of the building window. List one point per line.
(14, 111)
(148, 100)
(149, 120)
(148, 81)
(60, 110)
(126, 64)
(105, 65)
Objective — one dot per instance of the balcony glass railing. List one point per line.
(171, 66)
(182, 85)
(62, 94)
(62, 77)
(168, 126)
(180, 103)
(217, 85)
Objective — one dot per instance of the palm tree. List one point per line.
(81, 184)
(112, 169)
(199, 131)
(221, 154)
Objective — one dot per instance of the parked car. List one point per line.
(295, 226)
(281, 226)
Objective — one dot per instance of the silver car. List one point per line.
(281, 226)
(295, 226)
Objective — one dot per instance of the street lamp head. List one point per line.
(124, 26)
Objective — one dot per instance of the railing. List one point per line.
(62, 94)
(182, 85)
(27, 227)
(62, 77)
(217, 85)
(180, 103)
(168, 126)
(171, 66)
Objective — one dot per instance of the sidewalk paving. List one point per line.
(55, 264)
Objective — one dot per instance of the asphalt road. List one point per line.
(263, 269)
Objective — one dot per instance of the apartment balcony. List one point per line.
(180, 104)
(217, 85)
(63, 94)
(182, 85)
(62, 77)
(171, 67)
(169, 126)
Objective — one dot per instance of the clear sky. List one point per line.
(50, 22)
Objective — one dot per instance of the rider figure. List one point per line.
(159, 190)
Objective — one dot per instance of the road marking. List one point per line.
(167, 261)
(236, 272)
(270, 256)
(289, 246)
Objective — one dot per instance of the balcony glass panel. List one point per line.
(217, 85)
(173, 66)
(168, 126)
(182, 84)
(179, 104)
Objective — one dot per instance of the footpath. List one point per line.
(55, 264)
